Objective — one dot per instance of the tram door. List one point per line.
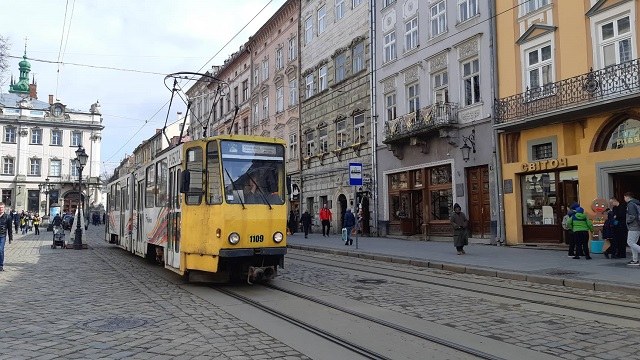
(122, 214)
(139, 219)
(173, 221)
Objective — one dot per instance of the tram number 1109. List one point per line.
(256, 238)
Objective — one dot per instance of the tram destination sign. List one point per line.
(239, 148)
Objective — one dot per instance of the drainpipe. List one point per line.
(373, 112)
(497, 158)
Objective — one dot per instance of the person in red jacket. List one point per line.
(325, 218)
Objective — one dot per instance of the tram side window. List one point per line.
(195, 167)
(150, 187)
(214, 193)
(161, 182)
(112, 205)
(117, 199)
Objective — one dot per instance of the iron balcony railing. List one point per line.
(424, 120)
(595, 86)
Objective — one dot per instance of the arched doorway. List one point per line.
(70, 201)
(342, 200)
(366, 215)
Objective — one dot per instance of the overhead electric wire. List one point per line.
(66, 41)
(89, 66)
(64, 24)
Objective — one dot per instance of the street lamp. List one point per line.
(46, 188)
(81, 160)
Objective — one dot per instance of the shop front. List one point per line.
(420, 201)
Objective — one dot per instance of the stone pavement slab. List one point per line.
(536, 265)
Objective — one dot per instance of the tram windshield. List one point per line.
(253, 173)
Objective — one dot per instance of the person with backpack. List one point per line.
(633, 224)
(581, 226)
(569, 234)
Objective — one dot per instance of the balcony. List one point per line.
(422, 122)
(605, 89)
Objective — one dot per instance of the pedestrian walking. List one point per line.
(325, 218)
(6, 221)
(460, 234)
(23, 223)
(633, 224)
(293, 224)
(581, 226)
(349, 223)
(36, 224)
(16, 219)
(305, 220)
(607, 235)
(619, 228)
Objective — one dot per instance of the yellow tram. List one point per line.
(212, 206)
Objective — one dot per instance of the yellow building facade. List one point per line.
(567, 109)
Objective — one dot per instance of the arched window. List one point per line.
(619, 134)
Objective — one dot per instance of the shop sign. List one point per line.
(544, 164)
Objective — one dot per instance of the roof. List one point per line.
(11, 100)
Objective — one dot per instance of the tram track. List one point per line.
(446, 282)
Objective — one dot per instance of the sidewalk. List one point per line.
(530, 264)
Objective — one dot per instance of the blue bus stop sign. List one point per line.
(355, 174)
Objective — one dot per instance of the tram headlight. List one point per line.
(277, 237)
(234, 238)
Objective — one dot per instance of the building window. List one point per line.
(438, 18)
(542, 151)
(235, 96)
(293, 146)
(309, 85)
(471, 81)
(265, 107)
(279, 99)
(322, 13)
(36, 136)
(529, 6)
(308, 30)
(8, 166)
(6, 197)
(245, 90)
(441, 87)
(56, 137)
(467, 9)
(341, 134)
(279, 59)
(265, 70)
(35, 166)
(310, 144)
(386, 3)
(390, 47)
(323, 138)
(356, 3)
(55, 167)
(322, 78)
(9, 134)
(339, 9)
(340, 63)
(74, 168)
(390, 104)
(413, 97)
(256, 113)
(540, 72)
(358, 57)
(358, 128)
(76, 138)
(411, 34)
(245, 126)
(615, 41)
(256, 76)
(293, 48)
(293, 92)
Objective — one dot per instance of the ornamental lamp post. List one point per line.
(46, 188)
(81, 160)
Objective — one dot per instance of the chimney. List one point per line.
(50, 99)
(33, 91)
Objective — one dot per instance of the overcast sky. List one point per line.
(161, 36)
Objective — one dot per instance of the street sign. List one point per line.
(355, 174)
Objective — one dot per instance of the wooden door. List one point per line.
(479, 201)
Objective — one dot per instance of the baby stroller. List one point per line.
(58, 237)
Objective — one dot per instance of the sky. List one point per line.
(156, 36)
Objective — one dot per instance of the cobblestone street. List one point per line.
(106, 303)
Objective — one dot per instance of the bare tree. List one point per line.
(4, 53)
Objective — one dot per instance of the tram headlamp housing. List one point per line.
(234, 238)
(278, 237)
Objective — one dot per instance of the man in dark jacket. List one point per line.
(633, 224)
(349, 223)
(619, 212)
(305, 220)
(6, 221)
